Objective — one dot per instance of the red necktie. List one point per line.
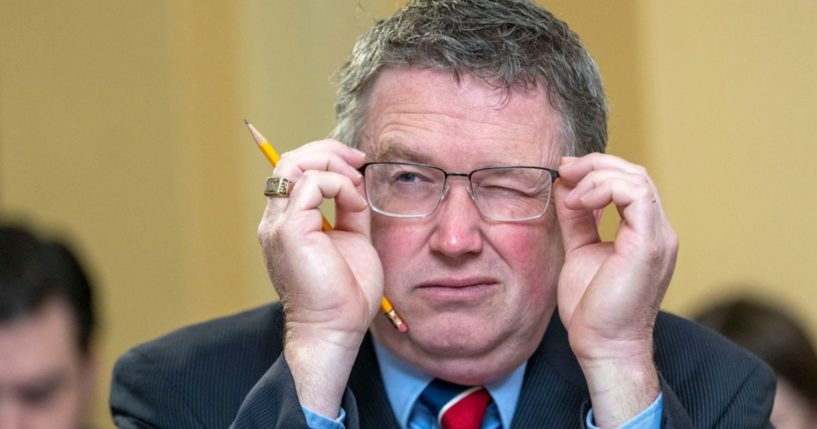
(456, 406)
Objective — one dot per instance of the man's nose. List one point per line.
(457, 229)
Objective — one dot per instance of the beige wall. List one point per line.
(719, 99)
(731, 101)
(120, 123)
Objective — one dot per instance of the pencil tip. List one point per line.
(256, 135)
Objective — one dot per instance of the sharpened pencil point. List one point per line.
(259, 139)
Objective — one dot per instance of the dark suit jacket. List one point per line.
(230, 372)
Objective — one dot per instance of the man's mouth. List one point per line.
(455, 283)
(457, 288)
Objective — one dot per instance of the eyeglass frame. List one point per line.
(554, 174)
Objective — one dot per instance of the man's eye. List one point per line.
(500, 192)
(42, 393)
(38, 397)
(407, 177)
(412, 176)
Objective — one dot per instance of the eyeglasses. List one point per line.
(409, 190)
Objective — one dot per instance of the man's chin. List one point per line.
(442, 339)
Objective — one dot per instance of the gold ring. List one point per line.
(278, 187)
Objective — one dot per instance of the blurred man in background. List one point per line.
(46, 328)
(777, 338)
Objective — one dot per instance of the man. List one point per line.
(459, 116)
(775, 335)
(46, 328)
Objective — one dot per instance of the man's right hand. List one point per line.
(329, 282)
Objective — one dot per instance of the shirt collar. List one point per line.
(404, 384)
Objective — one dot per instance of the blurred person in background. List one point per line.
(46, 330)
(779, 339)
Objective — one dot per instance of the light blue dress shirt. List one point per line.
(404, 384)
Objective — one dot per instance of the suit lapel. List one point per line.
(554, 393)
(365, 382)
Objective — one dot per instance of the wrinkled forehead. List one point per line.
(415, 113)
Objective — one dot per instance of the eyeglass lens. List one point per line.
(415, 190)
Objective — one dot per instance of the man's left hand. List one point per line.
(609, 293)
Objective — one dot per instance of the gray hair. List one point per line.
(507, 43)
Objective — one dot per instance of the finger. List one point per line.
(577, 225)
(323, 155)
(272, 211)
(275, 205)
(635, 203)
(313, 188)
(354, 220)
(572, 170)
(596, 178)
(327, 155)
(618, 191)
(350, 154)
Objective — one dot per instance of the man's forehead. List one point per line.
(46, 335)
(415, 112)
(425, 84)
(477, 157)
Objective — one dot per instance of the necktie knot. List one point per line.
(456, 406)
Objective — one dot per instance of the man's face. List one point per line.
(477, 294)
(791, 410)
(45, 381)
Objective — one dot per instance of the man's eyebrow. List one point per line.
(397, 151)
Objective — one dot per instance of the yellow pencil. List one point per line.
(273, 157)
